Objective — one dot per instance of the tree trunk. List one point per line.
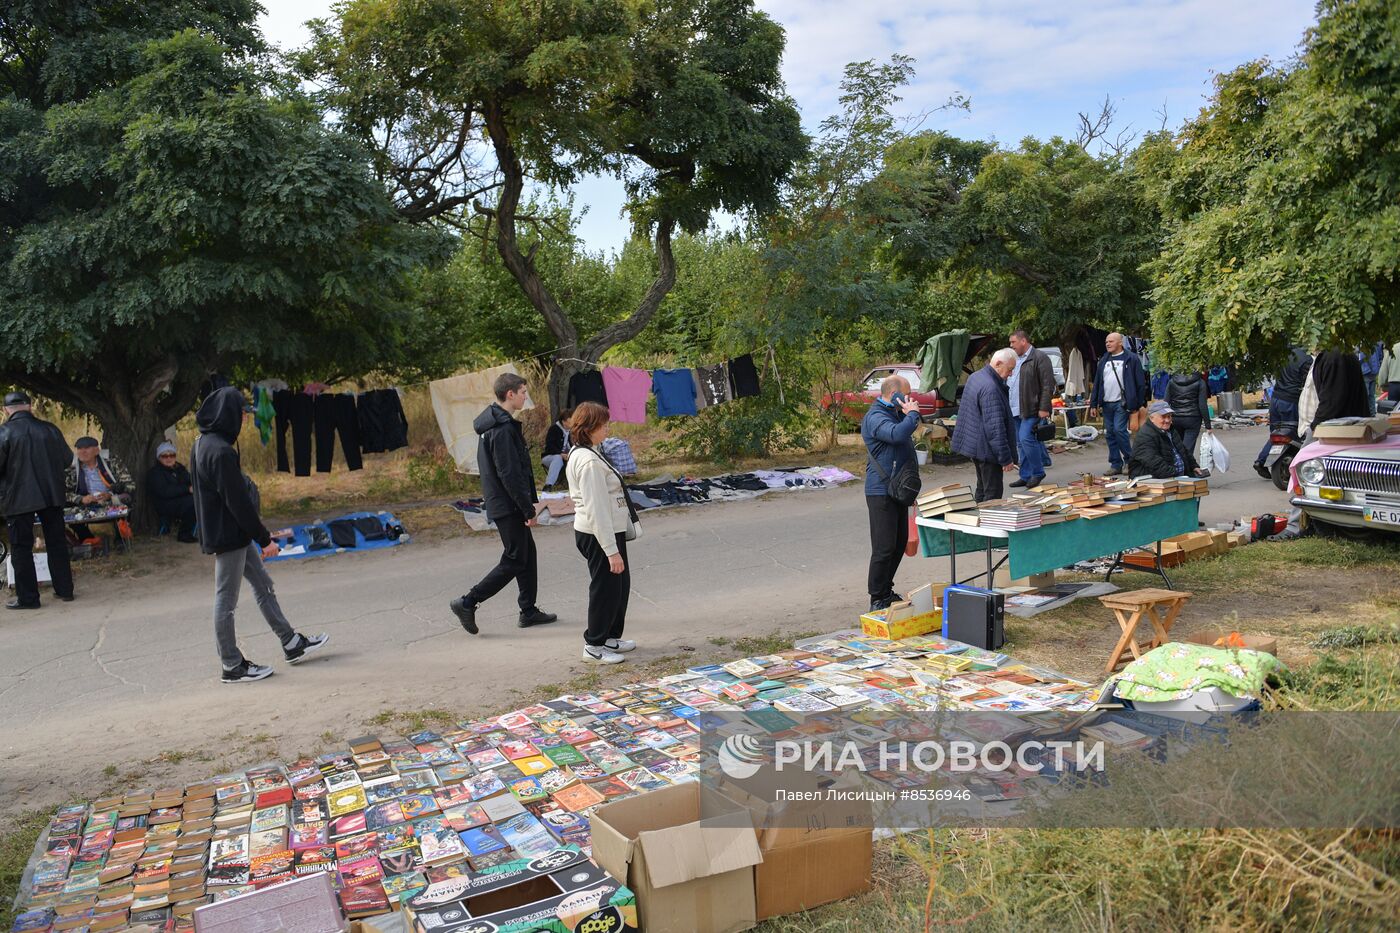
(561, 371)
(134, 445)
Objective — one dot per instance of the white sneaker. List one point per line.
(619, 644)
(602, 655)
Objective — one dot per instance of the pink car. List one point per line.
(1349, 487)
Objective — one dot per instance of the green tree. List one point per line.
(169, 210)
(1283, 201)
(468, 101)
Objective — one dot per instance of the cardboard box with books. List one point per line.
(689, 854)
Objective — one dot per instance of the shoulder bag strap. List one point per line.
(626, 496)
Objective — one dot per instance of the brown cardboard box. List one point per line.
(1362, 430)
(688, 854)
(813, 852)
(1209, 636)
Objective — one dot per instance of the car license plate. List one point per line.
(1384, 516)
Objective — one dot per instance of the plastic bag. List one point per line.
(1213, 456)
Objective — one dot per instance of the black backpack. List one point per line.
(904, 487)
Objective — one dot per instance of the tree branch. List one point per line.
(637, 321)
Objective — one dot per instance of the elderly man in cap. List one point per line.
(33, 454)
(1157, 451)
(95, 480)
(168, 485)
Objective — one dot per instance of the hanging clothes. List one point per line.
(712, 385)
(941, 360)
(1076, 383)
(293, 410)
(626, 391)
(743, 377)
(335, 415)
(675, 392)
(1159, 384)
(383, 424)
(264, 413)
(456, 403)
(587, 386)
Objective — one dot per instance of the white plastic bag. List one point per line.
(1213, 456)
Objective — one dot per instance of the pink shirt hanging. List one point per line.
(627, 393)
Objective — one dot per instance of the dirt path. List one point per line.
(120, 689)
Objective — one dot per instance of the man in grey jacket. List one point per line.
(1031, 387)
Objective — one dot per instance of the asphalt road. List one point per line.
(129, 670)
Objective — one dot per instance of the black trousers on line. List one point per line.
(988, 480)
(294, 410)
(519, 562)
(22, 553)
(889, 536)
(335, 414)
(607, 591)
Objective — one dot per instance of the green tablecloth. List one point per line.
(1037, 550)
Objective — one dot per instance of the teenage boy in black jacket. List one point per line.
(508, 486)
(226, 506)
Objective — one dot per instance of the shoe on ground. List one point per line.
(1262, 470)
(536, 616)
(304, 646)
(1017, 484)
(620, 645)
(601, 655)
(16, 604)
(1116, 471)
(246, 673)
(465, 613)
(1034, 481)
(186, 539)
(68, 599)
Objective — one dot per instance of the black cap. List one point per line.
(86, 442)
(15, 398)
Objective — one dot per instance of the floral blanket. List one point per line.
(1175, 670)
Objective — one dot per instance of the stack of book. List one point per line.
(938, 502)
(1009, 515)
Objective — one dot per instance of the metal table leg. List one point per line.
(952, 556)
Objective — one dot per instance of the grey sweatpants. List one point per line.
(230, 569)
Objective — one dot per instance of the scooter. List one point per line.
(1286, 444)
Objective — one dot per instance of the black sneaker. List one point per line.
(68, 599)
(246, 673)
(304, 646)
(892, 597)
(465, 613)
(16, 604)
(536, 616)
(1017, 484)
(1262, 470)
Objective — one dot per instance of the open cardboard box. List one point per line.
(1209, 636)
(689, 854)
(1360, 430)
(814, 852)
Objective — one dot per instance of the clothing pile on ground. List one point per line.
(361, 531)
(556, 508)
(365, 423)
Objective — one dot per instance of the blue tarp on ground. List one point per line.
(301, 536)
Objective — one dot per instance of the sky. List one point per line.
(1029, 67)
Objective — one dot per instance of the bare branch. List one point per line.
(1094, 128)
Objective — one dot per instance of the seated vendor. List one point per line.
(556, 448)
(1157, 451)
(168, 485)
(95, 481)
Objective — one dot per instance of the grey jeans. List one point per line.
(230, 569)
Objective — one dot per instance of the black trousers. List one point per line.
(889, 536)
(294, 410)
(22, 553)
(988, 480)
(335, 414)
(607, 591)
(178, 510)
(519, 562)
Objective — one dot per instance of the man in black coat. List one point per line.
(33, 455)
(168, 485)
(226, 507)
(1031, 389)
(508, 486)
(984, 432)
(1158, 451)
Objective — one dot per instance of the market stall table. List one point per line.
(1050, 547)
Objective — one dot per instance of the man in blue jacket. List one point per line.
(984, 431)
(888, 431)
(1120, 388)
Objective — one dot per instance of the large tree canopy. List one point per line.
(467, 102)
(1283, 199)
(180, 215)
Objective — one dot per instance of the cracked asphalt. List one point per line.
(128, 672)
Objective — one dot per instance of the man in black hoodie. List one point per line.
(508, 485)
(33, 454)
(226, 507)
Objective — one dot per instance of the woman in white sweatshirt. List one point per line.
(601, 523)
